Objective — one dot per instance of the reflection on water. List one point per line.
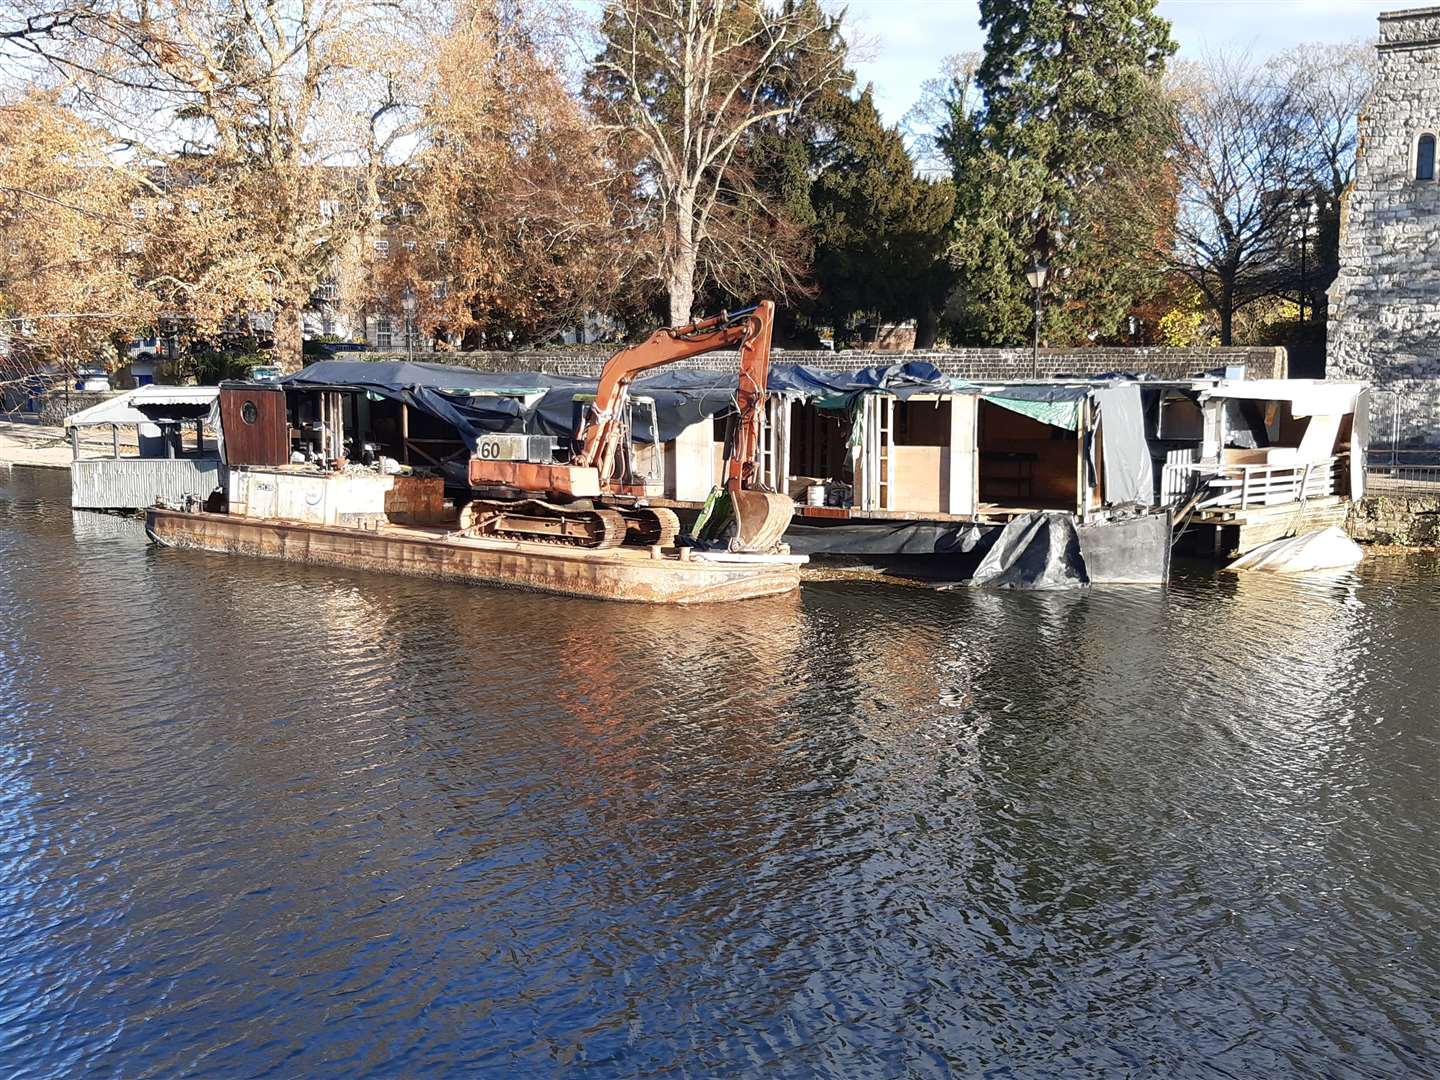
(257, 817)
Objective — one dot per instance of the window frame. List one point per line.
(1416, 154)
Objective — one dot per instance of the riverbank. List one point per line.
(35, 445)
(47, 446)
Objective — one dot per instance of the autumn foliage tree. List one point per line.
(70, 247)
(517, 223)
(261, 131)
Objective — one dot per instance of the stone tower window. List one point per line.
(1425, 158)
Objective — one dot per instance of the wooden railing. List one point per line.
(1247, 487)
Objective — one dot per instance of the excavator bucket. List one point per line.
(761, 518)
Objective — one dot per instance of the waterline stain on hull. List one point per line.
(627, 574)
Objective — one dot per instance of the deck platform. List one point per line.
(1237, 531)
(625, 573)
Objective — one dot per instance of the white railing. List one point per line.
(1248, 487)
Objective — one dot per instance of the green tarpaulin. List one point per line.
(1062, 414)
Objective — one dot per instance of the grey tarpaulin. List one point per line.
(1129, 472)
(1036, 551)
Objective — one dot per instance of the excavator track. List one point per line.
(538, 521)
(650, 525)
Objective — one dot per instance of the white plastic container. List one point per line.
(815, 495)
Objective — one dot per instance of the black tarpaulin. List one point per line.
(479, 402)
(1036, 551)
(879, 537)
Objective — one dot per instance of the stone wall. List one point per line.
(1385, 304)
(57, 405)
(1404, 520)
(979, 365)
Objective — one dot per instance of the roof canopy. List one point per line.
(148, 405)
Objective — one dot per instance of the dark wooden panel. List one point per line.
(255, 426)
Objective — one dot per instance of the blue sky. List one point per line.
(907, 39)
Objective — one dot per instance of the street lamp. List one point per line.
(1036, 276)
(1303, 215)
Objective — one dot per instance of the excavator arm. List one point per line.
(750, 329)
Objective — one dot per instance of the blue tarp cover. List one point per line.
(474, 402)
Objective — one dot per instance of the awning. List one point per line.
(147, 405)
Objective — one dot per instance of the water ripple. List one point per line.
(268, 820)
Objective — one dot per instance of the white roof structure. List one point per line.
(1307, 397)
(125, 408)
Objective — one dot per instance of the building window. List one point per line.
(384, 336)
(1425, 158)
(382, 248)
(414, 339)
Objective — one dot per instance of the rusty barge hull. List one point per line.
(626, 574)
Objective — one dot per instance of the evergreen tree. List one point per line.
(1064, 161)
(880, 229)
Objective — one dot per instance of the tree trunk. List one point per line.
(1227, 311)
(680, 281)
(289, 338)
(927, 328)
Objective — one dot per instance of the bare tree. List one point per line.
(1328, 86)
(1242, 158)
(683, 82)
(946, 97)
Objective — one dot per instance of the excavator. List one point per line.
(583, 503)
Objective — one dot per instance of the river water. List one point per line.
(262, 819)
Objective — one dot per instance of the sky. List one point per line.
(906, 40)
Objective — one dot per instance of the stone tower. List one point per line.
(1385, 303)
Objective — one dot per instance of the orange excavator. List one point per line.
(583, 503)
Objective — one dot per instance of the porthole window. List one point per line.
(1425, 158)
(249, 413)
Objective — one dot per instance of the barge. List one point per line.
(637, 575)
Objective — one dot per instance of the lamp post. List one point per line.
(1036, 276)
(1303, 215)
